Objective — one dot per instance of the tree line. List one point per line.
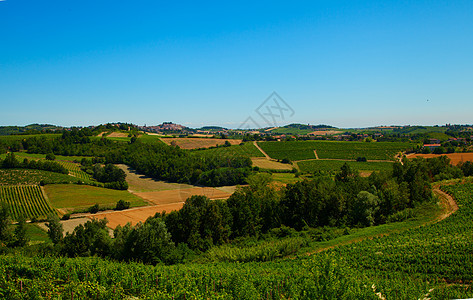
(345, 200)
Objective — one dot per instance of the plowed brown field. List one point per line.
(180, 195)
(454, 157)
(194, 143)
(134, 215)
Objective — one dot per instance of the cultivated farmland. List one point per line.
(301, 150)
(331, 165)
(455, 158)
(25, 201)
(195, 143)
(32, 177)
(76, 197)
(246, 149)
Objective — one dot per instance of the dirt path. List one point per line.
(316, 156)
(450, 205)
(262, 151)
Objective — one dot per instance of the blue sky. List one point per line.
(343, 63)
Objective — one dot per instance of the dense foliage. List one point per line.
(10, 162)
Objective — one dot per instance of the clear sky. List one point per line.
(345, 63)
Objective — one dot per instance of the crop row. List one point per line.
(335, 165)
(25, 201)
(301, 150)
(74, 170)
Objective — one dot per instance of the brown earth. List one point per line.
(454, 157)
(264, 163)
(142, 183)
(325, 132)
(134, 215)
(118, 134)
(180, 195)
(194, 143)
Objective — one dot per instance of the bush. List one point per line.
(50, 156)
(361, 159)
(121, 205)
(94, 208)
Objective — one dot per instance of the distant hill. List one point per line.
(32, 128)
(211, 128)
(299, 128)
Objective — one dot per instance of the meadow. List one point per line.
(302, 150)
(78, 197)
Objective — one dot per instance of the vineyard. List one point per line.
(330, 165)
(437, 253)
(301, 150)
(247, 149)
(74, 170)
(32, 177)
(25, 201)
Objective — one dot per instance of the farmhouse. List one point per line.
(432, 146)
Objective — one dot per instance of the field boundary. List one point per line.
(261, 150)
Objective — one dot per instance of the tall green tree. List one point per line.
(55, 229)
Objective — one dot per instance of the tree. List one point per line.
(55, 230)
(20, 238)
(50, 156)
(364, 209)
(5, 224)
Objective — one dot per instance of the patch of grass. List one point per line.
(150, 139)
(286, 178)
(335, 165)
(36, 234)
(78, 197)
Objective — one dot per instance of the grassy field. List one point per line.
(285, 178)
(335, 165)
(25, 201)
(71, 196)
(245, 150)
(29, 177)
(301, 150)
(150, 139)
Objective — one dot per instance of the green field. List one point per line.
(29, 177)
(73, 196)
(335, 165)
(301, 150)
(25, 201)
(248, 149)
(285, 178)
